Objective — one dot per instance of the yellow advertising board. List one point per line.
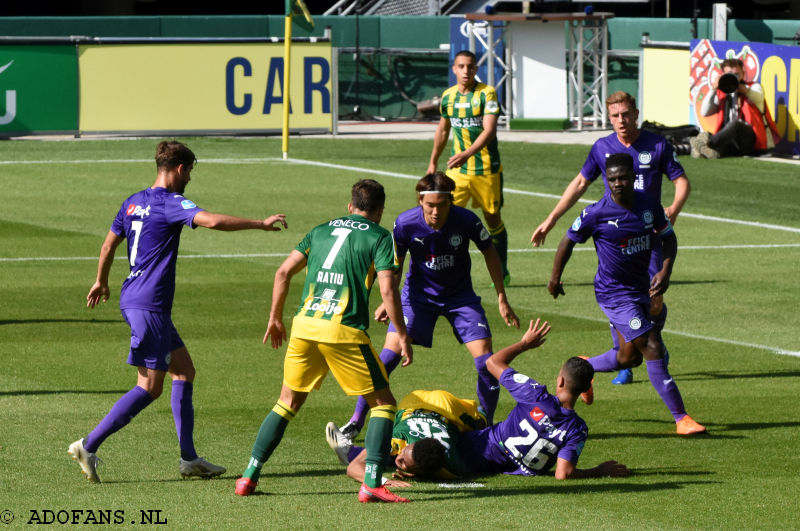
(664, 86)
(223, 87)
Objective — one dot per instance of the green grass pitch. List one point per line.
(732, 333)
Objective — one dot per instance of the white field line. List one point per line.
(474, 251)
(261, 160)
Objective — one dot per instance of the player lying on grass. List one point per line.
(541, 431)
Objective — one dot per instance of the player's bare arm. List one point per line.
(574, 191)
(391, 301)
(99, 290)
(380, 312)
(563, 254)
(533, 337)
(660, 281)
(439, 141)
(492, 260)
(276, 331)
(567, 470)
(224, 222)
(682, 190)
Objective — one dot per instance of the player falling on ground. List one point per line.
(470, 108)
(541, 431)
(625, 225)
(436, 234)
(653, 157)
(151, 221)
(344, 256)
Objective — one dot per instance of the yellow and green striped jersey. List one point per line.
(344, 256)
(465, 112)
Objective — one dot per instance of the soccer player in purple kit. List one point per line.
(436, 234)
(625, 226)
(653, 157)
(151, 221)
(541, 431)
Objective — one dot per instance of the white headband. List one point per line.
(435, 192)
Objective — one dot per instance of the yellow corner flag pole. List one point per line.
(296, 11)
(287, 61)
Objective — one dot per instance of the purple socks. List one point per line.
(120, 415)
(488, 388)
(667, 390)
(183, 413)
(605, 362)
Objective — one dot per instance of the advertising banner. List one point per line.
(225, 87)
(38, 89)
(775, 67)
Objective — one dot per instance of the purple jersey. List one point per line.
(624, 240)
(440, 264)
(529, 441)
(151, 221)
(652, 156)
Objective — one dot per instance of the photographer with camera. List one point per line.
(741, 116)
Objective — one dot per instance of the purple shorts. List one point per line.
(631, 319)
(153, 338)
(468, 321)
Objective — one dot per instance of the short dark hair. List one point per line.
(428, 455)
(436, 182)
(731, 62)
(621, 96)
(171, 153)
(466, 53)
(368, 195)
(619, 159)
(578, 374)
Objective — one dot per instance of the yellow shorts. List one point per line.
(356, 366)
(460, 412)
(486, 191)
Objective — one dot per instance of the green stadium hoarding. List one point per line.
(38, 89)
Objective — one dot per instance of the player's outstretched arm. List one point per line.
(276, 331)
(99, 290)
(574, 191)
(533, 337)
(210, 220)
(612, 469)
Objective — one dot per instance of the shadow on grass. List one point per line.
(731, 375)
(515, 284)
(64, 392)
(715, 430)
(46, 321)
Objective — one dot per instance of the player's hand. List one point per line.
(672, 216)
(555, 288)
(406, 351)
(397, 483)
(381, 315)
(457, 160)
(659, 284)
(276, 333)
(534, 335)
(507, 312)
(431, 168)
(539, 235)
(269, 223)
(98, 292)
(402, 474)
(613, 469)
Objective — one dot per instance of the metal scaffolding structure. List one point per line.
(588, 51)
(586, 62)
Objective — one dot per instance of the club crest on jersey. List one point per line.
(186, 204)
(647, 217)
(137, 210)
(455, 240)
(484, 234)
(576, 225)
(645, 157)
(635, 323)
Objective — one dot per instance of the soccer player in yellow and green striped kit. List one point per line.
(470, 108)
